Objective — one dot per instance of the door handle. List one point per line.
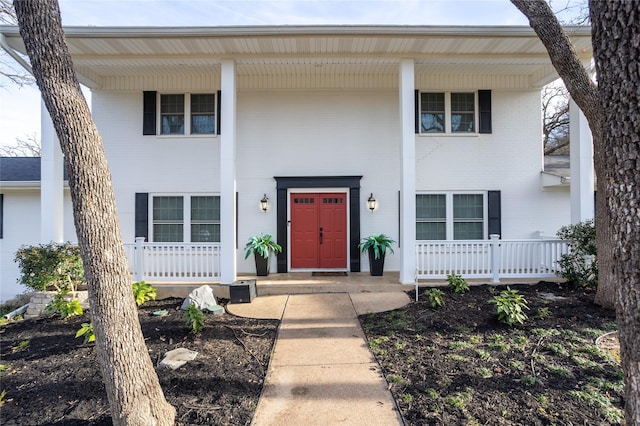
(321, 235)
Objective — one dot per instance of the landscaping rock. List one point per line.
(177, 358)
(202, 297)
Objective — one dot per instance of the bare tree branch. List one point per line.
(555, 114)
(29, 147)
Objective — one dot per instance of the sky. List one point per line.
(20, 108)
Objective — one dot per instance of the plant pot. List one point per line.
(262, 266)
(376, 266)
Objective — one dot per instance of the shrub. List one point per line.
(580, 266)
(435, 297)
(457, 284)
(143, 292)
(66, 308)
(50, 265)
(87, 331)
(194, 318)
(510, 305)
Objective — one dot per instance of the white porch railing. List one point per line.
(173, 261)
(492, 258)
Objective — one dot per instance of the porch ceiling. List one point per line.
(268, 50)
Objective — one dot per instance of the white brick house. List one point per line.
(441, 125)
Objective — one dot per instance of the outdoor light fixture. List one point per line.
(264, 203)
(371, 202)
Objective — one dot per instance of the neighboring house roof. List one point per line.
(100, 53)
(20, 171)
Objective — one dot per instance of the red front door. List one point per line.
(319, 230)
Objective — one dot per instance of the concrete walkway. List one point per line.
(322, 372)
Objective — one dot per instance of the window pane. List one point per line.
(167, 209)
(205, 219)
(205, 233)
(432, 112)
(173, 124)
(168, 233)
(203, 118)
(172, 114)
(203, 124)
(462, 112)
(468, 231)
(468, 206)
(431, 231)
(431, 206)
(205, 208)
(468, 217)
(203, 104)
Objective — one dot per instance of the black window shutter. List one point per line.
(218, 112)
(484, 104)
(149, 113)
(1, 215)
(142, 215)
(417, 111)
(493, 207)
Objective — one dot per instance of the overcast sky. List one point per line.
(20, 108)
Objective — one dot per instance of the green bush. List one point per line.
(66, 308)
(510, 306)
(143, 292)
(194, 318)
(580, 266)
(435, 297)
(86, 331)
(457, 284)
(50, 265)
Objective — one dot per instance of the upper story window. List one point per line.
(180, 113)
(451, 216)
(444, 112)
(199, 107)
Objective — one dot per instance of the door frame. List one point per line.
(292, 191)
(310, 184)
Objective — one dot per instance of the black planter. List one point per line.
(376, 266)
(262, 265)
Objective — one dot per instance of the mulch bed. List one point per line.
(56, 379)
(457, 365)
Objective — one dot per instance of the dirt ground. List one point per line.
(455, 365)
(56, 380)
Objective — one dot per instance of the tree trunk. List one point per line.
(133, 389)
(616, 45)
(585, 93)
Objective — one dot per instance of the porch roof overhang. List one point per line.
(102, 52)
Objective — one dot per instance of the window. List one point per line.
(451, 216)
(199, 108)
(447, 112)
(180, 218)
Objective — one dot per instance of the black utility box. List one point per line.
(243, 291)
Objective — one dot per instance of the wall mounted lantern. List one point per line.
(264, 203)
(372, 203)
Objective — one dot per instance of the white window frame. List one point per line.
(186, 214)
(187, 115)
(449, 219)
(447, 113)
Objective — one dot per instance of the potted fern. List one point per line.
(261, 246)
(376, 245)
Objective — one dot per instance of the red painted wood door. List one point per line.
(319, 230)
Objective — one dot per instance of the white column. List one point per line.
(582, 174)
(228, 172)
(51, 182)
(408, 172)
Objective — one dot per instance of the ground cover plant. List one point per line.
(457, 364)
(50, 376)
